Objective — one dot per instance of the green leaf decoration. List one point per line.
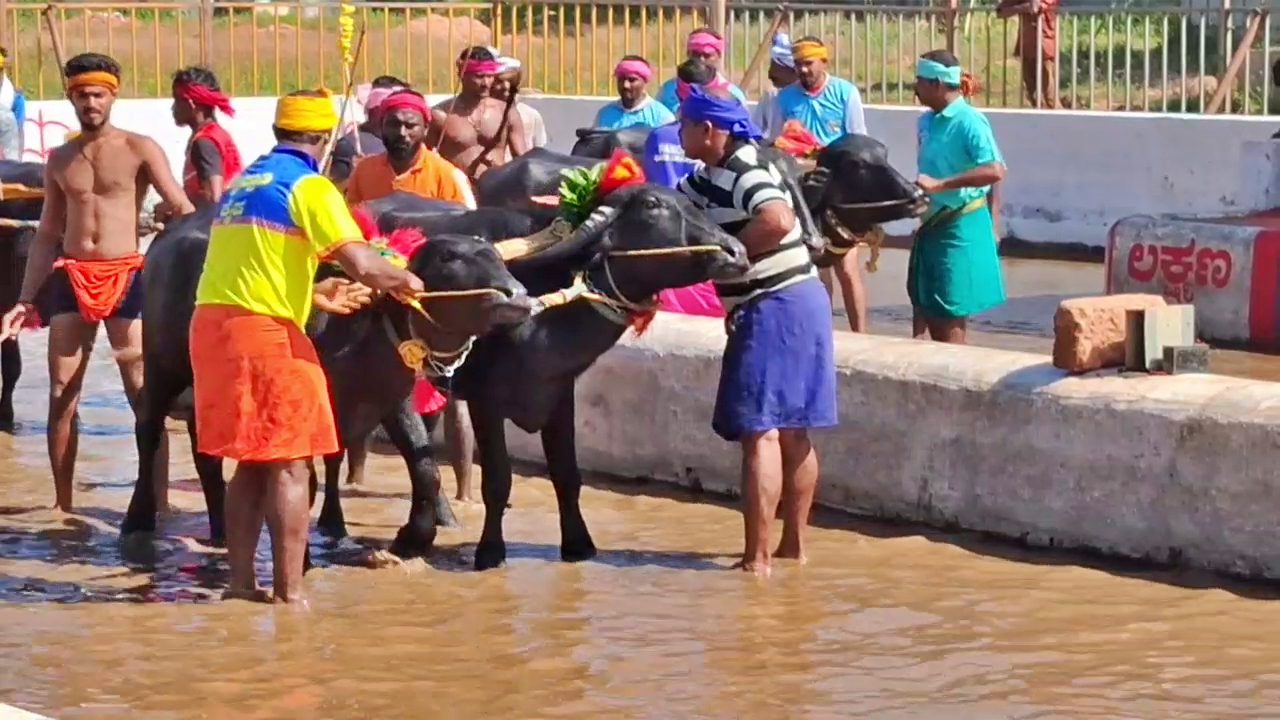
(578, 193)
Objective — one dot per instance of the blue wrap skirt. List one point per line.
(778, 370)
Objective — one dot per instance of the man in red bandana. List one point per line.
(212, 158)
(474, 130)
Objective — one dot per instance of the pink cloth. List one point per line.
(705, 42)
(639, 68)
(700, 299)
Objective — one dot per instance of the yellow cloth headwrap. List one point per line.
(94, 77)
(298, 113)
(809, 50)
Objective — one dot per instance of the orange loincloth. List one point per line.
(99, 285)
(260, 393)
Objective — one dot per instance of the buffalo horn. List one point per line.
(517, 248)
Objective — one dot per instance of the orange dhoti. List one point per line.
(260, 393)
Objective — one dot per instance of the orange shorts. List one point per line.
(260, 393)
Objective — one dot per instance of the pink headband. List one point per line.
(639, 68)
(482, 67)
(704, 42)
(376, 97)
(717, 83)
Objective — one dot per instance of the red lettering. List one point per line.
(1213, 266)
(1139, 254)
(1175, 263)
(38, 146)
(1179, 294)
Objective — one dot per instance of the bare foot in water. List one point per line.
(790, 551)
(255, 595)
(465, 499)
(759, 568)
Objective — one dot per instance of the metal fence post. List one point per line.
(206, 31)
(719, 16)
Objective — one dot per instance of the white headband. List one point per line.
(780, 53)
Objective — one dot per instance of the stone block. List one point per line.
(1151, 330)
(1180, 359)
(1089, 333)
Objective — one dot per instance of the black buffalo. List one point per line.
(600, 143)
(851, 189)
(368, 382)
(527, 373)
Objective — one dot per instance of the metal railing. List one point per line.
(1166, 60)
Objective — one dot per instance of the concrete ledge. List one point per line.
(1173, 469)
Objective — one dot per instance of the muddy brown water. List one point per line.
(885, 622)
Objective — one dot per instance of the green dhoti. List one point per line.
(954, 269)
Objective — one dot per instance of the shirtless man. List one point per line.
(94, 187)
(473, 130)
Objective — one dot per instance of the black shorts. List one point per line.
(62, 298)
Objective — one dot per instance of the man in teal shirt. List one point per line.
(954, 269)
(707, 45)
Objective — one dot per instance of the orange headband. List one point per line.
(93, 77)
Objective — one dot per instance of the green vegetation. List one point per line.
(1108, 60)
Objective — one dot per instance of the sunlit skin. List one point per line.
(781, 75)
(812, 73)
(631, 89)
(709, 57)
(403, 132)
(92, 104)
(475, 85)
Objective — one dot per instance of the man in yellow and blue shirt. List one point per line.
(261, 397)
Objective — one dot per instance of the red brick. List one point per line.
(1088, 333)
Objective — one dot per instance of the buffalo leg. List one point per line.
(357, 456)
(10, 370)
(409, 435)
(444, 511)
(212, 485)
(331, 521)
(559, 447)
(495, 481)
(157, 397)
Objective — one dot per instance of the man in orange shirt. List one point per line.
(408, 164)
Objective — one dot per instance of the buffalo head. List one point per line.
(600, 143)
(469, 289)
(647, 238)
(854, 180)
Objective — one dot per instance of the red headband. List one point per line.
(481, 67)
(404, 101)
(205, 96)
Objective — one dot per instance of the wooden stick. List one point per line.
(56, 41)
(346, 100)
(1256, 19)
(762, 50)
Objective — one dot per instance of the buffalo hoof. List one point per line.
(578, 552)
(412, 542)
(490, 555)
(136, 521)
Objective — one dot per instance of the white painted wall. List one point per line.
(1172, 468)
(1071, 174)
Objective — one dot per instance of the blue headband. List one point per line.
(932, 70)
(723, 113)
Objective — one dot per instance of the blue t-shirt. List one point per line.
(951, 142)
(20, 108)
(664, 161)
(835, 111)
(648, 113)
(667, 94)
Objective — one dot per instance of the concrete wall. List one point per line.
(1071, 174)
(1168, 468)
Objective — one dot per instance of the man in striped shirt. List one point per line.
(778, 375)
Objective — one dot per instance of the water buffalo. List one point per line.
(518, 183)
(600, 143)
(15, 240)
(645, 239)
(851, 189)
(368, 381)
